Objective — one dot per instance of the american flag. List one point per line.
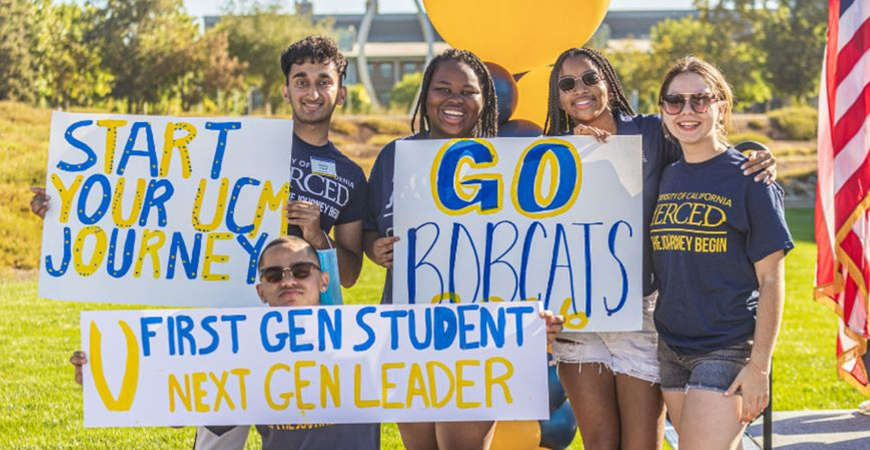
(843, 191)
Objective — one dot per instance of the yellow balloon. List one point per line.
(516, 34)
(516, 435)
(532, 91)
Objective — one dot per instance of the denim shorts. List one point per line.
(630, 353)
(713, 371)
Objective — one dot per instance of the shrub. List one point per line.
(404, 92)
(795, 123)
(736, 138)
(358, 101)
(380, 140)
(755, 124)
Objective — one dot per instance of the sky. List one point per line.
(212, 7)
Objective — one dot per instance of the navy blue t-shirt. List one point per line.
(710, 225)
(379, 216)
(357, 436)
(323, 175)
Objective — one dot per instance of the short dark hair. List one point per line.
(487, 123)
(319, 49)
(291, 240)
(558, 122)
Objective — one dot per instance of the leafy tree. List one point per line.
(213, 72)
(258, 33)
(729, 47)
(18, 71)
(71, 71)
(143, 43)
(794, 39)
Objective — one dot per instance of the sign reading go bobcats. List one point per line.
(555, 219)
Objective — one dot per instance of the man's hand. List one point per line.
(39, 202)
(78, 359)
(306, 215)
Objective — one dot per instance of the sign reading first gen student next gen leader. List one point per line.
(327, 364)
(161, 210)
(556, 219)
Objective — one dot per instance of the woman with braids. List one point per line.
(612, 379)
(457, 100)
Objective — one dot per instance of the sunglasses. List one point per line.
(673, 104)
(299, 271)
(568, 83)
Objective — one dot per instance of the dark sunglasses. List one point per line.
(568, 83)
(299, 271)
(673, 104)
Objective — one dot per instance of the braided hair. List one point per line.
(487, 123)
(558, 122)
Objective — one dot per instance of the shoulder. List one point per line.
(340, 158)
(388, 151)
(643, 123)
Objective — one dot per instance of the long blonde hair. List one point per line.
(714, 78)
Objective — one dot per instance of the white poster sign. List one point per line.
(298, 365)
(161, 210)
(551, 219)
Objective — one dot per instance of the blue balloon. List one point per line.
(505, 91)
(557, 393)
(519, 128)
(559, 431)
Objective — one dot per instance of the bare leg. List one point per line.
(674, 401)
(464, 435)
(591, 388)
(418, 435)
(642, 411)
(710, 421)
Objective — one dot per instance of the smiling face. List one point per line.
(314, 90)
(688, 126)
(289, 290)
(454, 100)
(584, 104)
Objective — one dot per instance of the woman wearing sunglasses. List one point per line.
(722, 296)
(612, 378)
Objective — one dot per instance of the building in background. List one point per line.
(396, 44)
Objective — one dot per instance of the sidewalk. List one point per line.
(840, 429)
(832, 429)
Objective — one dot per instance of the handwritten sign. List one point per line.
(161, 210)
(551, 219)
(315, 365)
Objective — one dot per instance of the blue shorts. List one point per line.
(712, 371)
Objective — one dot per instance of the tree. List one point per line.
(70, 68)
(18, 72)
(258, 34)
(143, 44)
(794, 39)
(730, 47)
(213, 71)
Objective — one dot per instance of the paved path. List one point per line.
(833, 429)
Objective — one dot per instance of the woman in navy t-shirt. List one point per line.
(612, 378)
(719, 242)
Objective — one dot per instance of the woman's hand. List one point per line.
(761, 162)
(39, 202)
(754, 386)
(554, 325)
(586, 130)
(78, 359)
(382, 251)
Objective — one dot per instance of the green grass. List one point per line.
(41, 406)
